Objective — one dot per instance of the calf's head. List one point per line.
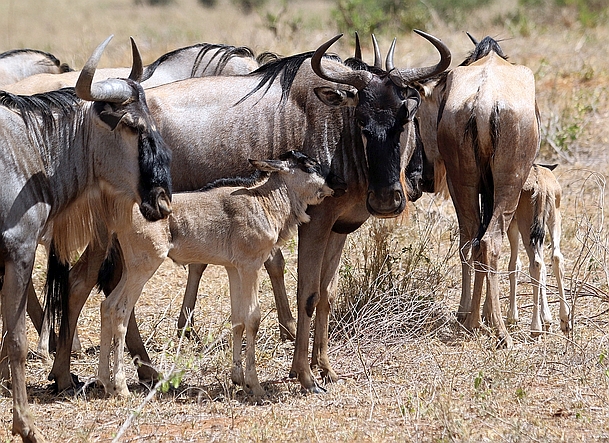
(302, 174)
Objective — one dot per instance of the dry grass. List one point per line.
(409, 373)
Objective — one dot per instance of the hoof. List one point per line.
(288, 332)
(329, 376)
(316, 389)
(76, 386)
(505, 342)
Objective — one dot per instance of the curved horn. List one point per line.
(357, 79)
(112, 90)
(377, 53)
(389, 59)
(137, 68)
(403, 77)
(474, 41)
(358, 48)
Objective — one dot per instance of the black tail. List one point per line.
(110, 272)
(538, 228)
(56, 289)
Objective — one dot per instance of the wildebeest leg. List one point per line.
(47, 340)
(490, 247)
(195, 271)
(14, 300)
(5, 373)
(83, 277)
(34, 310)
(554, 224)
(145, 372)
(514, 268)
(465, 199)
(313, 237)
(275, 266)
(537, 271)
(115, 312)
(245, 316)
(329, 281)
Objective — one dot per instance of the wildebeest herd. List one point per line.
(149, 162)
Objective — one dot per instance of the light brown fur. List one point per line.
(539, 204)
(488, 136)
(235, 227)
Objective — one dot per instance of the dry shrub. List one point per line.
(390, 280)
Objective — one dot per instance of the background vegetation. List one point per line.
(408, 371)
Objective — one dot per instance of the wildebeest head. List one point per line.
(120, 106)
(384, 103)
(302, 174)
(482, 49)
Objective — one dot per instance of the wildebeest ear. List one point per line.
(336, 97)
(550, 167)
(412, 102)
(111, 117)
(269, 165)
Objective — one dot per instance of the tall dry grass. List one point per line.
(408, 371)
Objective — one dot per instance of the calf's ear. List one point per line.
(269, 165)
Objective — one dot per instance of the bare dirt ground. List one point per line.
(409, 373)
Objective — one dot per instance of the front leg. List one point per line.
(83, 277)
(329, 282)
(275, 267)
(313, 238)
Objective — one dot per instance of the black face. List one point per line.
(154, 156)
(382, 113)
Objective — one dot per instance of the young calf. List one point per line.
(538, 207)
(233, 223)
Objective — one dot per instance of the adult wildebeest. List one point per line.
(538, 207)
(199, 60)
(350, 121)
(276, 264)
(488, 137)
(18, 64)
(70, 159)
(233, 223)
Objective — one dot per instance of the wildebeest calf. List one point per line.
(233, 223)
(538, 207)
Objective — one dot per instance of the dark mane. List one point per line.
(49, 105)
(225, 52)
(266, 57)
(49, 59)
(482, 49)
(246, 182)
(14, 52)
(286, 68)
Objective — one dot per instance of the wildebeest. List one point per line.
(488, 137)
(198, 60)
(73, 159)
(18, 64)
(350, 121)
(538, 207)
(233, 223)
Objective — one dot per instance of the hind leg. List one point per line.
(554, 225)
(14, 300)
(514, 268)
(275, 267)
(195, 272)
